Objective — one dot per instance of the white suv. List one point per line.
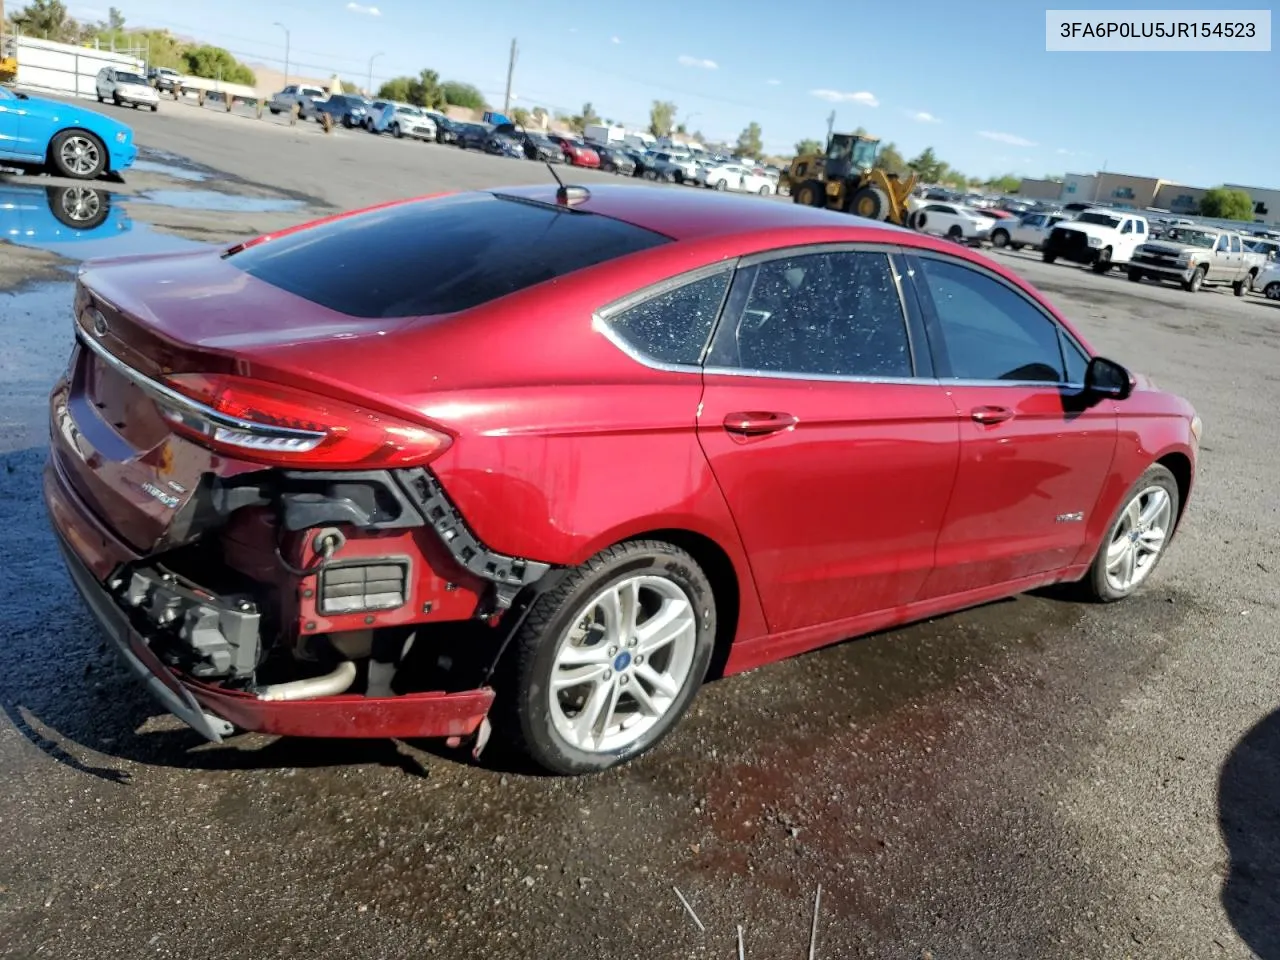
(126, 87)
(294, 94)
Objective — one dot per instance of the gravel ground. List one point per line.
(1035, 778)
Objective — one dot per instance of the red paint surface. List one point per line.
(873, 505)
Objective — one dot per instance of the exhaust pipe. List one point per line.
(339, 681)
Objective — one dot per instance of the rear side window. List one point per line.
(673, 327)
(438, 256)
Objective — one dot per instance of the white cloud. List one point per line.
(687, 61)
(922, 116)
(361, 8)
(1062, 152)
(617, 40)
(836, 96)
(1010, 138)
(774, 83)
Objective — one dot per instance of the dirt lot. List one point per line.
(1034, 778)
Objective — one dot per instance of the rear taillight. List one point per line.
(282, 426)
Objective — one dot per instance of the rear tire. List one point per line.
(1049, 257)
(583, 627)
(1242, 286)
(764, 191)
(155, 107)
(1272, 291)
(956, 234)
(1000, 239)
(1135, 529)
(1136, 276)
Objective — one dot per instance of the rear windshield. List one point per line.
(438, 256)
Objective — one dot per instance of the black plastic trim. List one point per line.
(508, 574)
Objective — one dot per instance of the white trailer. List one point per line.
(603, 133)
(65, 68)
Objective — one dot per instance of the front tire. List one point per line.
(1000, 239)
(1272, 291)
(1049, 257)
(608, 661)
(956, 234)
(78, 154)
(1103, 263)
(1197, 280)
(1135, 276)
(1136, 539)
(1242, 286)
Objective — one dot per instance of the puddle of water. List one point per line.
(216, 202)
(33, 352)
(79, 222)
(170, 170)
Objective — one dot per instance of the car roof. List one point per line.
(696, 214)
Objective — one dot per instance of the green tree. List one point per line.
(808, 146)
(580, 121)
(427, 91)
(661, 116)
(1005, 183)
(540, 117)
(1223, 203)
(47, 19)
(115, 19)
(519, 115)
(214, 63)
(463, 95)
(890, 160)
(927, 166)
(397, 88)
(749, 141)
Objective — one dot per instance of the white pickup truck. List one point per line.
(1195, 256)
(1100, 238)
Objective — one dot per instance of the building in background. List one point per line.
(1033, 189)
(1266, 202)
(1079, 188)
(1179, 198)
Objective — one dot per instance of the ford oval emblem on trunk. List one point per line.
(99, 324)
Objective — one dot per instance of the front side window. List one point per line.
(988, 331)
(673, 327)
(833, 314)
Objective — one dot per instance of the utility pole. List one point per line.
(286, 51)
(511, 69)
(831, 125)
(368, 90)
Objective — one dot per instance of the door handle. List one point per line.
(992, 414)
(757, 423)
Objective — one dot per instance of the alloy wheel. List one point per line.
(80, 155)
(622, 664)
(1139, 538)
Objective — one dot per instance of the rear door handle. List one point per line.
(992, 414)
(757, 423)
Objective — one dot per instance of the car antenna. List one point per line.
(568, 195)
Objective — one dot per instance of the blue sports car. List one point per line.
(64, 137)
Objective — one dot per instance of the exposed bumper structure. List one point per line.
(93, 556)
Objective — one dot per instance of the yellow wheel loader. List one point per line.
(847, 179)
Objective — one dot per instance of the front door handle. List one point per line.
(757, 423)
(992, 414)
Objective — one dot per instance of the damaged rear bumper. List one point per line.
(92, 557)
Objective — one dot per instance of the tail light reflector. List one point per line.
(283, 426)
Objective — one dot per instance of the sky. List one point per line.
(970, 79)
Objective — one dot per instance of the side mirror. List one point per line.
(1106, 378)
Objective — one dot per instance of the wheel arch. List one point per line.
(106, 149)
(1179, 464)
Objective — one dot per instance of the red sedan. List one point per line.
(577, 154)
(550, 457)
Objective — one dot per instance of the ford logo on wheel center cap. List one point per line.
(622, 661)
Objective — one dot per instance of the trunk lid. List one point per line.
(138, 320)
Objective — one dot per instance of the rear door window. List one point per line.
(673, 326)
(438, 256)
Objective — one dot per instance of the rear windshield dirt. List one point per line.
(431, 257)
